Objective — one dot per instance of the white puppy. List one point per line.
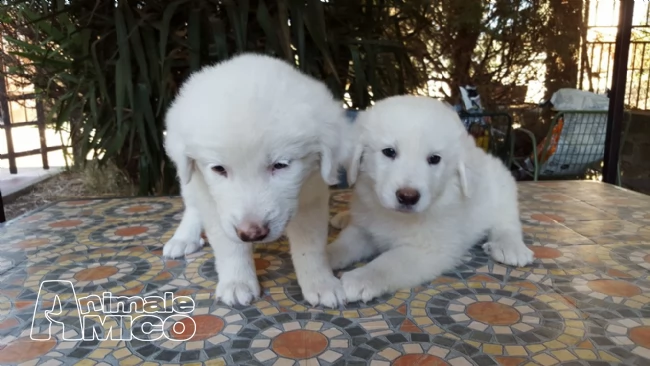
(424, 195)
(256, 144)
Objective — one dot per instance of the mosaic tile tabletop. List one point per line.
(585, 300)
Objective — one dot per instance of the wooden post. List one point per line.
(617, 96)
(6, 121)
(40, 118)
(3, 218)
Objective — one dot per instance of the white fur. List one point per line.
(467, 196)
(246, 114)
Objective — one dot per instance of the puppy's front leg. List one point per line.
(307, 234)
(352, 245)
(187, 237)
(505, 238)
(506, 245)
(236, 269)
(398, 268)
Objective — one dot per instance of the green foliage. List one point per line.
(109, 69)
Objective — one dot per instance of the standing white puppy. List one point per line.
(424, 195)
(256, 144)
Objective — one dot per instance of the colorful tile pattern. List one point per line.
(585, 300)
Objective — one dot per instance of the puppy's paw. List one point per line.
(361, 285)
(516, 254)
(340, 220)
(323, 290)
(239, 292)
(176, 248)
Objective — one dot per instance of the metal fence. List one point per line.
(14, 101)
(597, 51)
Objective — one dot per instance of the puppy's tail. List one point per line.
(341, 220)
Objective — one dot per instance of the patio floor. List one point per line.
(585, 301)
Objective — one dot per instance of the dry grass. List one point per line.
(91, 181)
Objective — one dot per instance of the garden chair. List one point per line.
(574, 143)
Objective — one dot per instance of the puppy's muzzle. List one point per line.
(407, 196)
(252, 232)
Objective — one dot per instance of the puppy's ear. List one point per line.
(184, 164)
(462, 178)
(337, 145)
(467, 144)
(354, 164)
(329, 164)
(185, 168)
(352, 146)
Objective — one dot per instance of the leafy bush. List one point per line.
(109, 69)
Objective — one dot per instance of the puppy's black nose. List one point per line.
(407, 196)
(250, 232)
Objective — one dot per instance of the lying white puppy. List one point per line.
(256, 144)
(424, 195)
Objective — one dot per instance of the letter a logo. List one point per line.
(52, 294)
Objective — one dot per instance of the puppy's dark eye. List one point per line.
(389, 153)
(219, 170)
(278, 166)
(433, 159)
